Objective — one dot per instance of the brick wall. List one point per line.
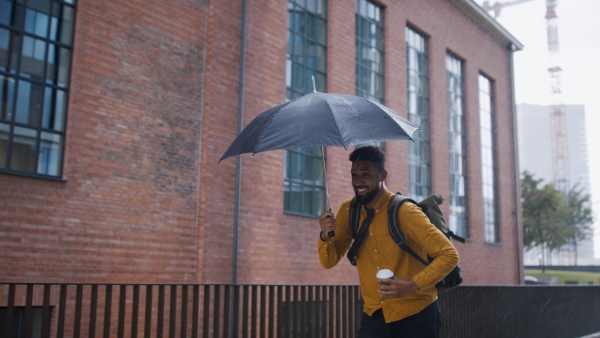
(153, 106)
(272, 242)
(127, 209)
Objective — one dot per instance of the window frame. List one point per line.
(419, 112)
(371, 14)
(488, 146)
(458, 165)
(299, 83)
(40, 40)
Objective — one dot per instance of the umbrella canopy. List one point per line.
(321, 119)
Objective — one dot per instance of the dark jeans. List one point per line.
(425, 324)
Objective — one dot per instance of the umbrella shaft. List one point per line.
(327, 206)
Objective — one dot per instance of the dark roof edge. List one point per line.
(488, 23)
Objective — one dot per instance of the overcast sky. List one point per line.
(579, 45)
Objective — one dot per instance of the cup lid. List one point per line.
(385, 273)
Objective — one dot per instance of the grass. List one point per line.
(563, 276)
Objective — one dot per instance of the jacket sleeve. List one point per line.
(427, 240)
(334, 249)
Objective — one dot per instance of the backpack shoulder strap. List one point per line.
(359, 235)
(354, 216)
(393, 227)
(451, 234)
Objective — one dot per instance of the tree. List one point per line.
(580, 217)
(551, 218)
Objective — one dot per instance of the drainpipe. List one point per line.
(238, 168)
(511, 48)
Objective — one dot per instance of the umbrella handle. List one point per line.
(331, 233)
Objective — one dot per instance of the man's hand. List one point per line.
(396, 287)
(327, 223)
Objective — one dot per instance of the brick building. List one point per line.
(115, 114)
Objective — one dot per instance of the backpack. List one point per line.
(431, 208)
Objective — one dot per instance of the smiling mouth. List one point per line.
(361, 191)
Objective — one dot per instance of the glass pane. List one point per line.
(306, 200)
(29, 103)
(319, 201)
(53, 114)
(49, 160)
(295, 44)
(321, 32)
(286, 195)
(295, 162)
(32, 57)
(319, 59)
(57, 66)
(311, 5)
(23, 153)
(7, 91)
(299, 74)
(319, 173)
(66, 27)
(4, 137)
(309, 173)
(296, 198)
(9, 59)
(6, 8)
(53, 35)
(37, 18)
(60, 110)
(4, 44)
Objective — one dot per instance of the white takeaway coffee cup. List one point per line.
(385, 274)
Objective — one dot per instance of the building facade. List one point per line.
(115, 115)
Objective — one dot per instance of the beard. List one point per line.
(365, 199)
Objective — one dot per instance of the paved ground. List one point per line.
(593, 335)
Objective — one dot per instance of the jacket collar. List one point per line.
(384, 200)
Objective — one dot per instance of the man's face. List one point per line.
(366, 180)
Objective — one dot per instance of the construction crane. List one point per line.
(558, 116)
(497, 6)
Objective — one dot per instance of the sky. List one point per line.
(579, 58)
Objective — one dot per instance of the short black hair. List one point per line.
(369, 153)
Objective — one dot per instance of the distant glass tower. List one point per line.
(535, 156)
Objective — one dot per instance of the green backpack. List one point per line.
(431, 208)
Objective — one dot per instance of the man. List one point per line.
(406, 305)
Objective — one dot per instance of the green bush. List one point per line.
(583, 278)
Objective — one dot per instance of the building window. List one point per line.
(304, 179)
(369, 51)
(419, 152)
(488, 163)
(458, 147)
(370, 82)
(36, 41)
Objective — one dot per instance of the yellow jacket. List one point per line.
(379, 251)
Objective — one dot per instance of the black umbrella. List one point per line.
(321, 119)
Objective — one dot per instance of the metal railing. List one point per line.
(159, 310)
(200, 310)
(521, 311)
